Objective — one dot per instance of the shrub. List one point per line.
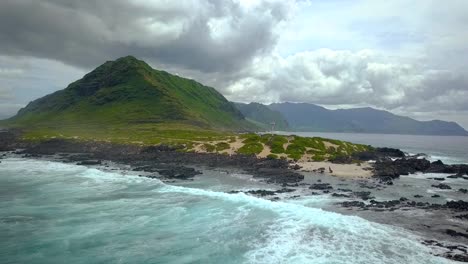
(318, 157)
(250, 138)
(272, 156)
(276, 143)
(250, 148)
(222, 146)
(208, 147)
(295, 149)
(295, 156)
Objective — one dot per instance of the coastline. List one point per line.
(353, 195)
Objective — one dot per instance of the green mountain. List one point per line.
(129, 92)
(263, 116)
(310, 117)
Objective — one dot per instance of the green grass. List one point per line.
(208, 147)
(318, 148)
(250, 148)
(222, 146)
(272, 156)
(188, 136)
(142, 134)
(276, 143)
(129, 92)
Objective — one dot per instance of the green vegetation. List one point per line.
(127, 102)
(129, 93)
(250, 148)
(315, 148)
(276, 143)
(272, 156)
(142, 134)
(222, 146)
(208, 147)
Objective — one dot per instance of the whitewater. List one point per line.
(52, 212)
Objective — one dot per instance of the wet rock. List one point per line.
(442, 186)
(290, 185)
(462, 216)
(463, 190)
(321, 186)
(418, 196)
(285, 190)
(403, 166)
(384, 204)
(179, 172)
(295, 167)
(457, 257)
(340, 195)
(454, 233)
(457, 205)
(435, 196)
(353, 204)
(390, 152)
(341, 159)
(319, 170)
(388, 180)
(276, 175)
(363, 195)
(438, 179)
(261, 192)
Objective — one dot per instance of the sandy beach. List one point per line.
(353, 171)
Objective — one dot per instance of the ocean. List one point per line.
(53, 212)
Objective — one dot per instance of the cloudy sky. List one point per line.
(408, 57)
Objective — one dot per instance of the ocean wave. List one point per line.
(291, 232)
(301, 234)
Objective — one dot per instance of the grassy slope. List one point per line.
(128, 92)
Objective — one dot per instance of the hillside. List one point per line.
(128, 92)
(310, 117)
(263, 116)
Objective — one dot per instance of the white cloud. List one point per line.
(401, 55)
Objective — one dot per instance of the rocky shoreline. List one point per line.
(168, 163)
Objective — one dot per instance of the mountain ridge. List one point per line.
(311, 117)
(263, 116)
(128, 90)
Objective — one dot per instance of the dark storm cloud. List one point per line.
(353, 53)
(184, 33)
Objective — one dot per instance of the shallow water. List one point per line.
(61, 213)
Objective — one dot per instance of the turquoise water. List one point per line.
(60, 213)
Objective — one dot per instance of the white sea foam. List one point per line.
(296, 233)
(307, 235)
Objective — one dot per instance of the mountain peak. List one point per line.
(127, 90)
(125, 63)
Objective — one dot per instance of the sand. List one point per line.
(351, 171)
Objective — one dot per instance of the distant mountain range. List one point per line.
(128, 92)
(310, 117)
(263, 116)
